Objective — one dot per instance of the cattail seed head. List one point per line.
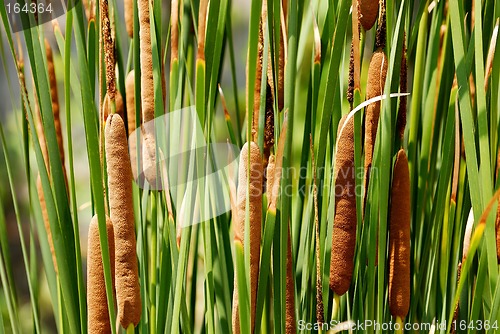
(129, 17)
(54, 98)
(375, 87)
(250, 180)
(380, 38)
(147, 98)
(97, 303)
(350, 86)
(130, 98)
(399, 239)
(46, 222)
(109, 49)
(344, 226)
(403, 86)
(121, 207)
(269, 126)
(368, 12)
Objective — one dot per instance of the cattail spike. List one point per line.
(130, 99)
(368, 10)
(350, 86)
(121, 207)
(147, 98)
(269, 126)
(129, 17)
(97, 303)
(403, 87)
(109, 50)
(380, 39)
(344, 226)
(375, 87)
(399, 239)
(46, 222)
(250, 180)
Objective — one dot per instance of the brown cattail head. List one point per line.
(258, 80)
(130, 98)
(375, 87)
(350, 87)
(368, 12)
(269, 126)
(109, 50)
(147, 98)
(54, 99)
(121, 207)
(344, 226)
(97, 303)
(46, 222)
(129, 17)
(403, 87)
(380, 39)
(399, 239)
(280, 82)
(250, 180)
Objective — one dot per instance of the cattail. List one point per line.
(399, 239)
(258, 75)
(119, 108)
(54, 99)
(109, 50)
(269, 126)
(290, 325)
(121, 208)
(375, 87)
(46, 222)
(130, 99)
(350, 85)
(403, 87)
(129, 17)
(250, 180)
(344, 226)
(97, 303)
(280, 84)
(320, 318)
(147, 98)
(368, 10)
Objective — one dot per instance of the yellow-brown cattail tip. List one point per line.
(368, 12)
(121, 208)
(399, 239)
(344, 226)
(97, 303)
(250, 176)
